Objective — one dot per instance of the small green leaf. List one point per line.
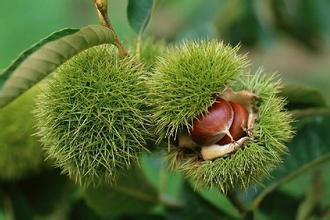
(300, 97)
(37, 62)
(309, 148)
(195, 207)
(220, 201)
(132, 194)
(139, 13)
(169, 184)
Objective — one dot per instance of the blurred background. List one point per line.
(291, 37)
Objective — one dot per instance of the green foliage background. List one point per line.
(291, 38)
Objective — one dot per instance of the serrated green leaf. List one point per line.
(309, 148)
(301, 97)
(132, 194)
(37, 62)
(13, 66)
(139, 13)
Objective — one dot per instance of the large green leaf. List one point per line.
(313, 197)
(279, 205)
(299, 97)
(37, 62)
(139, 13)
(132, 194)
(309, 148)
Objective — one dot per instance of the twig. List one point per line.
(102, 10)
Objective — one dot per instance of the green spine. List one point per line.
(92, 116)
(186, 82)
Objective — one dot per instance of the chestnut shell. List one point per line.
(214, 125)
(239, 125)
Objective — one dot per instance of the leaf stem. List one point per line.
(102, 10)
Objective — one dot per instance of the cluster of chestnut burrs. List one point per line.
(224, 128)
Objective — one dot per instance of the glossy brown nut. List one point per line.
(237, 129)
(213, 126)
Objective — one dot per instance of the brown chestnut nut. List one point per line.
(211, 127)
(239, 125)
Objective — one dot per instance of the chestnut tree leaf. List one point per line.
(183, 200)
(44, 57)
(168, 183)
(131, 194)
(220, 201)
(309, 148)
(302, 97)
(278, 205)
(313, 197)
(139, 13)
(195, 207)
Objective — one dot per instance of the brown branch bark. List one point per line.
(102, 10)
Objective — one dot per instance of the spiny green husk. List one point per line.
(150, 50)
(92, 116)
(186, 80)
(20, 152)
(256, 159)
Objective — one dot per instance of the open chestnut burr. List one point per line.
(225, 126)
